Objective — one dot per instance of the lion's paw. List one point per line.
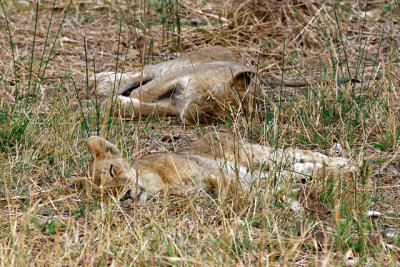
(105, 82)
(126, 107)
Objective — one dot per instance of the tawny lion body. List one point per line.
(199, 86)
(211, 163)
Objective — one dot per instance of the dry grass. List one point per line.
(44, 124)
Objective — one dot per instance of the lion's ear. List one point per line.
(241, 80)
(102, 148)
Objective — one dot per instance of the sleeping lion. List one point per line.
(198, 87)
(215, 162)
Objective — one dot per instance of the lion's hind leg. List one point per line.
(295, 163)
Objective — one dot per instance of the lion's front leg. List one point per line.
(131, 108)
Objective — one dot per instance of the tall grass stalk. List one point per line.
(12, 45)
(45, 43)
(114, 86)
(54, 42)
(342, 43)
(33, 46)
(97, 107)
(85, 121)
(86, 68)
(361, 52)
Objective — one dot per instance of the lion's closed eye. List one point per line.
(112, 171)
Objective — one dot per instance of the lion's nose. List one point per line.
(140, 195)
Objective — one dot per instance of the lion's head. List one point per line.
(218, 101)
(109, 170)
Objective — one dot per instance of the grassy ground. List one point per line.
(48, 50)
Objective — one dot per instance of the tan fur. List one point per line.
(211, 163)
(200, 86)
